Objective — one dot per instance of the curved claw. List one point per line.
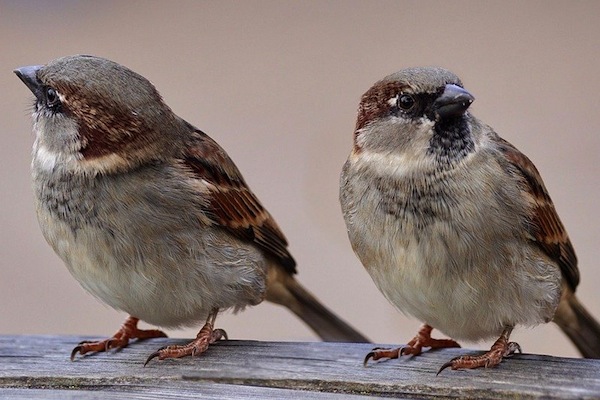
(155, 354)
(446, 365)
(409, 350)
(513, 347)
(379, 353)
(76, 350)
(369, 356)
(108, 344)
(152, 356)
(220, 334)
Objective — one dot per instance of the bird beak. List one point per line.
(29, 77)
(453, 102)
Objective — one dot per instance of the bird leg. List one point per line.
(119, 340)
(501, 348)
(205, 337)
(414, 347)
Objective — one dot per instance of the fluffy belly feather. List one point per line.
(446, 271)
(168, 285)
(453, 291)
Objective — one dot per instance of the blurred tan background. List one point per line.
(277, 84)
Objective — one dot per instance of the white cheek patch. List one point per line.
(396, 165)
(45, 158)
(48, 160)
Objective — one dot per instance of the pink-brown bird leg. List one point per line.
(120, 339)
(205, 337)
(414, 347)
(501, 348)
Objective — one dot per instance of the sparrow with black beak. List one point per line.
(149, 213)
(454, 224)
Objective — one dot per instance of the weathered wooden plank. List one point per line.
(167, 390)
(39, 366)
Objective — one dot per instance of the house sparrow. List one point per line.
(454, 224)
(149, 213)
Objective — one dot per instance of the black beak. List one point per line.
(453, 102)
(29, 77)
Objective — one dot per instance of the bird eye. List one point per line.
(52, 99)
(406, 102)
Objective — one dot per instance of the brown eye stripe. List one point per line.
(375, 102)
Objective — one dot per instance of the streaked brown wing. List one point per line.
(548, 232)
(232, 204)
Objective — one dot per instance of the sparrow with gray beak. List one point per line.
(149, 213)
(454, 224)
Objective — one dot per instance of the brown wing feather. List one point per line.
(232, 204)
(547, 229)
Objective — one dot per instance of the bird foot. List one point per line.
(501, 349)
(414, 347)
(119, 340)
(205, 337)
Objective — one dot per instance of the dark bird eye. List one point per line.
(52, 99)
(406, 102)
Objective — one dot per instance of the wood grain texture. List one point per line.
(33, 367)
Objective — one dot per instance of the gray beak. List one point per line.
(29, 77)
(453, 102)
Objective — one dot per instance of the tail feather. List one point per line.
(579, 325)
(288, 292)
